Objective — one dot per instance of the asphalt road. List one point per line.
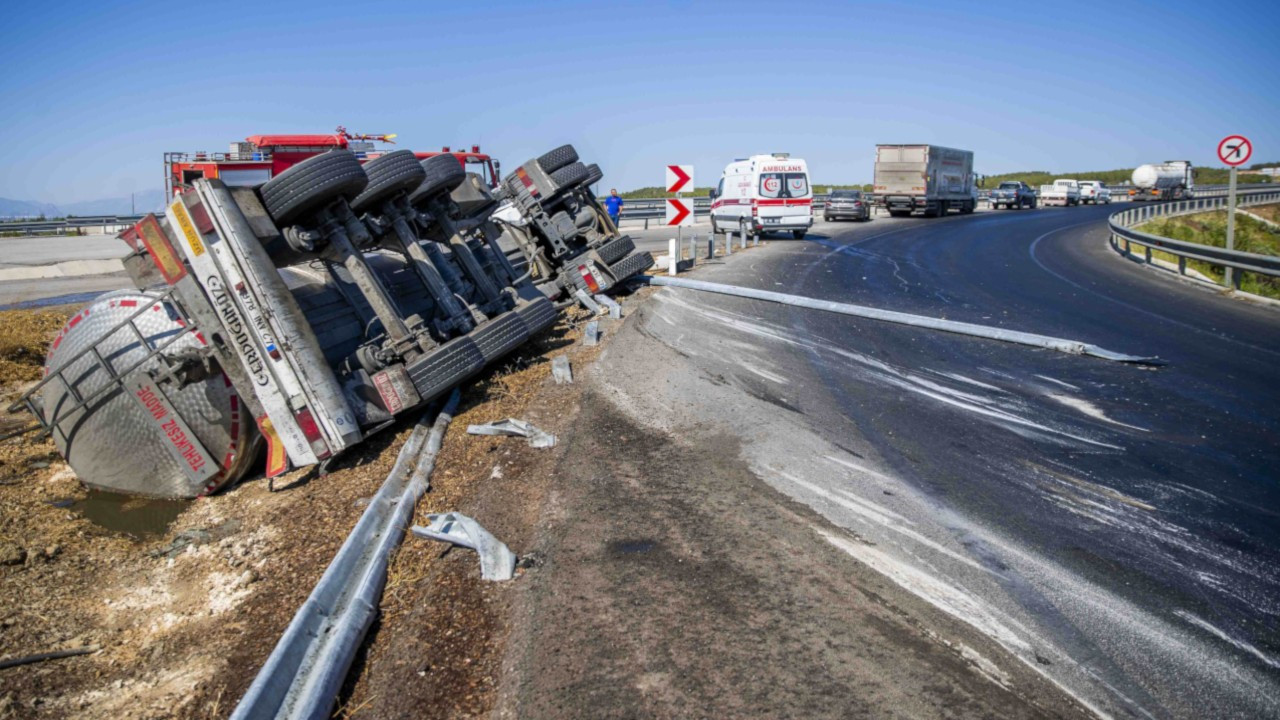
(1114, 527)
(49, 249)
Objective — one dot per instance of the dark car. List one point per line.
(1013, 194)
(846, 204)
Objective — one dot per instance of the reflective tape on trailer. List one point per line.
(241, 335)
(330, 416)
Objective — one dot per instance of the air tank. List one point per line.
(1162, 175)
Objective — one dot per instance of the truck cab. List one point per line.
(761, 194)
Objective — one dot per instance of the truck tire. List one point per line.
(594, 175)
(612, 252)
(443, 174)
(446, 366)
(798, 234)
(633, 265)
(558, 158)
(569, 176)
(388, 175)
(715, 229)
(311, 184)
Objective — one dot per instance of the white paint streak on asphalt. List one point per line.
(1091, 410)
(1056, 381)
(884, 373)
(970, 381)
(859, 468)
(937, 592)
(751, 367)
(1204, 625)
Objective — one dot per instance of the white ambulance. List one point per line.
(761, 194)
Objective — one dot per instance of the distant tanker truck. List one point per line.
(1172, 180)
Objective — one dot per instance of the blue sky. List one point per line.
(93, 93)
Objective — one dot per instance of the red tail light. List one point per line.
(590, 278)
(307, 423)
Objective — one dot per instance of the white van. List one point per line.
(763, 193)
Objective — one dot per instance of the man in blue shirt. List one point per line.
(613, 204)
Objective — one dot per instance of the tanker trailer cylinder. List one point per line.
(127, 418)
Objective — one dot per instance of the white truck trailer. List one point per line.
(1172, 180)
(930, 179)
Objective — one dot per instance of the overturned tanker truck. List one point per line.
(306, 312)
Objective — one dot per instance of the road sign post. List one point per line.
(1233, 150)
(1229, 277)
(679, 212)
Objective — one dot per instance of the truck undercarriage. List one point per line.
(312, 309)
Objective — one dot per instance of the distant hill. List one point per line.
(26, 209)
(656, 192)
(142, 202)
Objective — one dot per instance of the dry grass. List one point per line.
(1210, 228)
(24, 338)
(1270, 212)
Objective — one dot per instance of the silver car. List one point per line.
(846, 204)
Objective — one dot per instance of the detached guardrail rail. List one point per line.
(1124, 237)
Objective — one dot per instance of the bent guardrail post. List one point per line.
(1071, 347)
(302, 676)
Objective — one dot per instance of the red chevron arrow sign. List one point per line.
(679, 178)
(679, 212)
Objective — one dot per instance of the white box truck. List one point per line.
(926, 178)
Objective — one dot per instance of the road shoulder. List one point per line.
(675, 582)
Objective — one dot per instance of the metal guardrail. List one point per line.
(636, 209)
(63, 225)
(1122, 234)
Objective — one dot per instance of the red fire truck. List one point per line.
(261, 157)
